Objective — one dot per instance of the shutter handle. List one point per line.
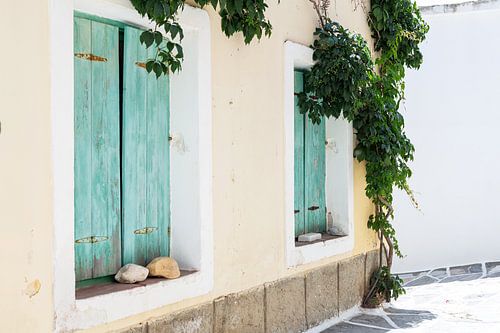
(296, 211)
(313, 208)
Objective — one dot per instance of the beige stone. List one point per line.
(372, 263)
(285, 305)
(164, 267)
(351, 282)
(139, 328)
(240, 313)
(197, 319)
(322, 297)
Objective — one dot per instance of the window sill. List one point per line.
(114, 301)
(114, 287)
(324, 238)
(303, 253)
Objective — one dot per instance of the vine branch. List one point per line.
(346, 83)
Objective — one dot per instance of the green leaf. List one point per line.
(158, 38)
(149, 65)
(159, 11)
(147, 38)
(179, 54)
(174, 30)
(157, 68)
(238, 5)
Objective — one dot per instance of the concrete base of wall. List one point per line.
(293, 304)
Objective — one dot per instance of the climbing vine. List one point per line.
(344, 81)
(246, 16)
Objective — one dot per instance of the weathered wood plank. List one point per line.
(145, 166)
(97, 147)
(158, 161)
(134, 150)
(299, 211)
(106, 208)
(315, 176)
(82, 148)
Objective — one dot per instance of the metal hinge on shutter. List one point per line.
(92, 239)
(144, 231)
(90, 57)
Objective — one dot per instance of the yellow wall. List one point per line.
(25, 168)
(248, 159)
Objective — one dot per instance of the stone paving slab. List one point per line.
(452, 274)
(421, 281)
(392, 310)
(492, 267)
(352, 328)
(493, 275)
(407, 321)
(468, 296)
(370, 320)
(407, 277)
(466, 269)
(465, 277)
(439, 273)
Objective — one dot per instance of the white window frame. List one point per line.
(191, 173)
(339, 171)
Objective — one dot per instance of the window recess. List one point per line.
(309, 169)
(122, 153)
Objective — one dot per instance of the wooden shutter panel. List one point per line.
(299, 211)
(145, 156)
(97, 149)
(314, 171)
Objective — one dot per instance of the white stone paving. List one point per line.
(461, 306)
(454, 302)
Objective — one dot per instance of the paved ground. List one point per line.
(464, 299)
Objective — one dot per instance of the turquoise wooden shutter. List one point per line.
(309, 170)
(97, 149)
(314, 171)
(145, 156)
(299, 211)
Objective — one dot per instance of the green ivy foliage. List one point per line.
(386, 285)
(398, 29)
(169, 53)
(246, 16)
(340, 76)
(344, 81)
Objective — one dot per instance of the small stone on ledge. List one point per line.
(310, 237)
(165, 267)
(131, 273)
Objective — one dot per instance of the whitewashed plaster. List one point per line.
(452, 115)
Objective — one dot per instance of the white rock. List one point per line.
(132, 273)
(309, 237)
(337, 231)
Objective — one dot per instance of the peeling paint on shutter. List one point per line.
(145, 156)
(97, 150)
(309, 170)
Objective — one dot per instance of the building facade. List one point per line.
(230, 193)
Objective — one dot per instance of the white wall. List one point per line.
(453, 118)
